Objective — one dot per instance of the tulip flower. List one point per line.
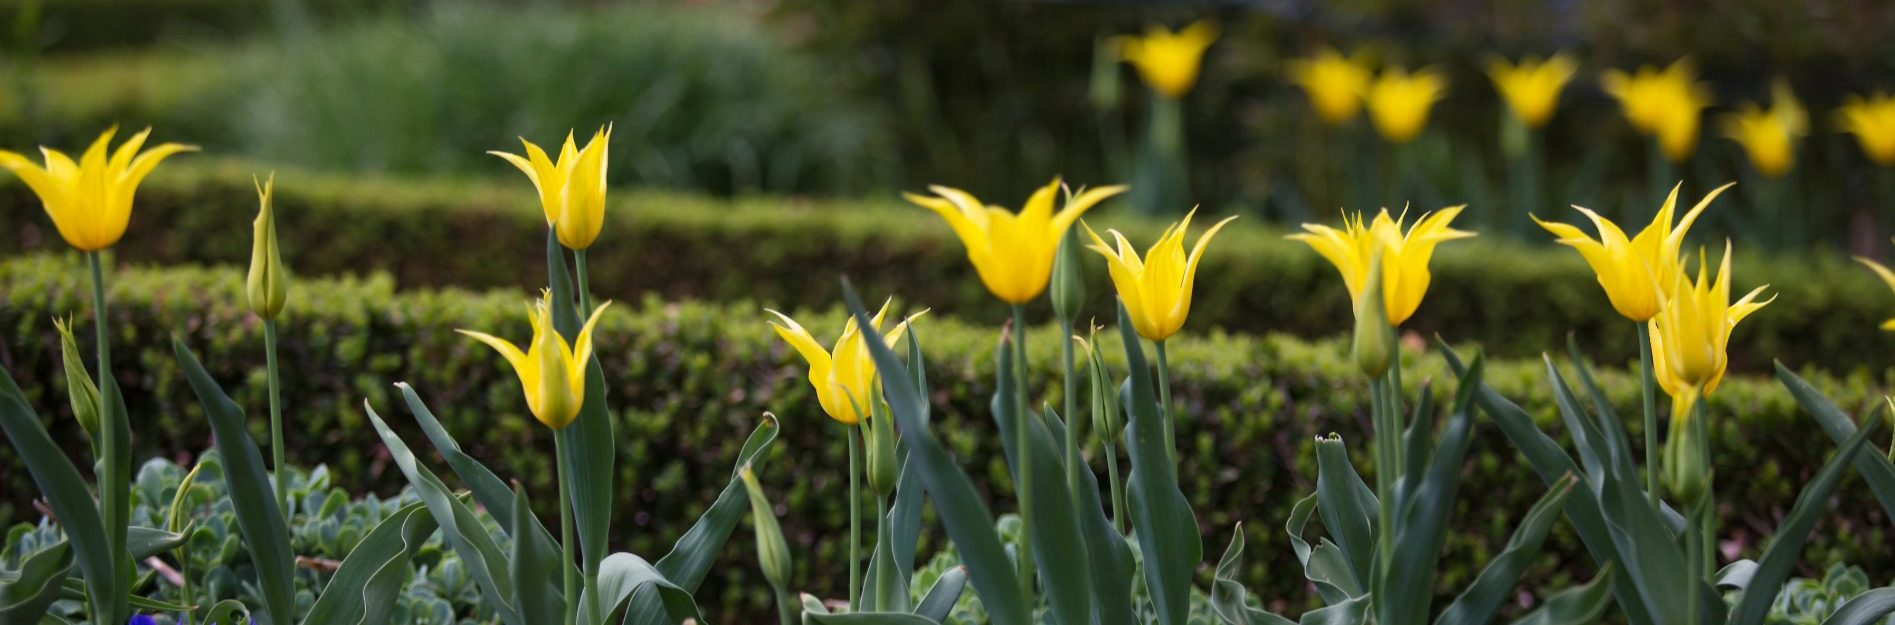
(842, 377)
(1335, 83)
(1635, 272)
(572, 189)
(1532, 87)
(1157, 289)
(1872, 121)
(1405, 256)
(1888, 278)
(1663, 103)
(1168, 61)
(1399, 102)
(267, 286)
(90, 201)
(1013, 253)
(1769, 135)
(552, 372)
(1691, 334)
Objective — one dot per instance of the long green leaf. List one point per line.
(1229, 599)
(65, 491)
(1058, 548)
(144, 542)
(1579, 605)
(1407, 593)
(1611, 428)
(1477, 604)
(363, 591)
(1874, 468)
(1780, 557)
(946, 591)
(531, 567)
(27, 593)
(1162, 519)
(1354, 611)
(590, 438)
(690, 559)
(1865, 609)
(1346, 505)
(624, 574)
(866, 618)
(1418, 446)
(1112, 560)
(1324, 565)
(251, 492)
(968, 523)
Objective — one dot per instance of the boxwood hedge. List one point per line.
(689, 378)
(785, 251)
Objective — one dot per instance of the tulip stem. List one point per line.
(1659, 171)
(1384, 468)
(1164, 400)
(568, 583)
(855, 519)
(786, 608)
(1023, 452)
(276, 420)
(1073, 461)
(585, 290)
(1118, 490)
(1648, 380)
(115, 487)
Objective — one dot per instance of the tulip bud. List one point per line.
(1069, 278)
(1372, 333)
(773, 554)
(268, 284)
(881, 450)
(1687, 469)
(80, 389)
(1106, 421)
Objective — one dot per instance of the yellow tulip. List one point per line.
(1013, 253)
(552, 372)
(1664, 103)
(1769, 136)
(1405, 257)
(1532, 87)
(1691, 334)
(90, 201)
(1157, 289)
(844, 376)
(572, 190)
(1636, 272)
(1887, 277)
(267, 287)
(1872, 121)
(1399, 102)
(1168, 61)
(1335, 83)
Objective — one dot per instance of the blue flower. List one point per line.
(141, 619)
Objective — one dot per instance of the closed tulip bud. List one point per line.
(269, 284)
(1687, 468)
(1069, 278)
(881, 452)
(773, 554)
(1372, 332)
(1106, 423)
(80, 389)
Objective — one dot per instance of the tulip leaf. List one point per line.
(1418, 445)
(1354, 611)
(866, 618)
(60, 483)
(1229, 599)
(1407, 593)
(1579, 605)
(624, 575)
(1495, 584)
(1346, 505)
(1594, 451)
(1736, 575)
(969, 525)
(1162, 519)
(1058, 546)
(144, 542)
(946, 591)
(1552, 463)
(1865, 609)
(460, 528)
(590, 438)
(251, 493)
(1611, 428)
(531, 568)
(1111, 559)
(1876, 469)
(363, 591)
(1324, 566)
(1787, 547)
(905, 516)
(25, 594)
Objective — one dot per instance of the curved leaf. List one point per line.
(145, 542)
(1406, 594)
(624, 574)
(1112, 560)
(59, 482)
(1064, 565)
(1229, 599)
(1579, 605)
(1324, 565)
(1787, 547)
(1875, 468)
(1865, 609)
(1495, 584)
(1162, 519)
(1346, 505)
(27, 593)
(940, 600)
(531, 567)
(364, 589)
(590, 438)
(866, 618)
(691, 557)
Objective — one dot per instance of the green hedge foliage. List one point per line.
(688, 379)
(1519, 301)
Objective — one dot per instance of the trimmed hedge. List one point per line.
(1518, 301)
(689, 379)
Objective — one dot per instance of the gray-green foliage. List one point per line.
(1810, 601)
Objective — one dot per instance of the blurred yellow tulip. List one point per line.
(572, 190)
(1663, 103)
(1532, 87)
(1399, 102)
(1888, 278)
(1012, 253)
(90, 201)
(1168, 61)
(1769, 135)
(1872, 121)
(1405, 257)
(1691, 335)
(1636, 272)
(552, 372)
(1335, 83)
(842, 377)
(1156, 290)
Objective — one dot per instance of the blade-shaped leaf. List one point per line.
(1477, 604)
(1865, 609)
(1229, 599)
(968, 523)
(624, 574)
(1162, 519)
(1058, 546)
(866, 618)
(1323, 565)
(251, 493)
(1876, 469)
(364, 589)
(1736, 575)
(1346, 505)
(531, 567)
(27, 593)
(1418, 446)
(145, 542)
(59, 482)
(1612, 430)
(1408, 592)
(1111, 559)
(946, 591)
(691, 557)
(590, 439)
(1580, 605)
(1787, 547)
(1354, 611)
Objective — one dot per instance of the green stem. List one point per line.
(115, 487)
(1164, 400)
(1393, 398)
(883, 586)
(1024, 451)
(585, 290)
(786, 608)
(276, 420)
(568, 582)
(1693, 562)
(1649, 382)
(1073, 461)
(855, 518)
(1118, 489)
(1526, 191)
(1384, 469)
